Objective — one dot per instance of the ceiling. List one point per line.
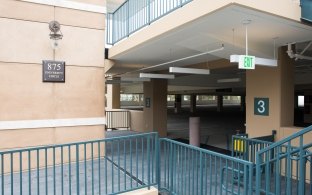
(223, 27)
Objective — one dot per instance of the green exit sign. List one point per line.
(246, 62)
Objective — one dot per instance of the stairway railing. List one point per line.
(282, 167)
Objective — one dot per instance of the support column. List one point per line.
(113, 96)
(177, 103)
(193, 103)
(194, 125)
(243, 102)
(275, 89)
(155, 106)
(220, 103)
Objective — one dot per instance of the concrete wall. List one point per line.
(24, 37)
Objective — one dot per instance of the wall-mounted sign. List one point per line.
(147, 102)
(246, 62)
(261, 106)
(53, 71)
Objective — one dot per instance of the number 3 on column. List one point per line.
(261, 106)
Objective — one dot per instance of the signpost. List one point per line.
(246, 62)
(261, 106)
(53, 71)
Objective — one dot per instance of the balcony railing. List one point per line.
(135, 14)
(306, 10)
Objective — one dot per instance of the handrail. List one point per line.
(187, 169)
(246, 148)
(283, 159)
(133, 15)
(287, 139)
(105, 166)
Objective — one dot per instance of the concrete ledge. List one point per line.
(143, 191)
(51, 123)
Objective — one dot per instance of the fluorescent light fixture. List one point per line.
(111, 82)
(156, 76)
(231, 80)
(188, 70)
(135, 79)
(258, 61)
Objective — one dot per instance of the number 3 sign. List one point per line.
(261, 106)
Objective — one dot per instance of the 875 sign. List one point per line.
(53, 71)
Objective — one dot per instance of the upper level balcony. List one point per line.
(189, 27)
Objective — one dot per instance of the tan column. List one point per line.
(155, 106)
(194, 125)
(220, 103)
(177, 103)
(193, 103)
(113, 96)
(276, 84)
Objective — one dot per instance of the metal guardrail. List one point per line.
(246, 148)
(107, 166)
(282, 168)
(306, 7)
(117, 119)
(133, 15)
(186, 169)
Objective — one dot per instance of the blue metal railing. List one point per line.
(133, 15)
(186, 169)
(107, 166)
(306, 10)
(246, 148)
(282, 168)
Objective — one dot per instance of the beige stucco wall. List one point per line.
(155, 116)
(113, 96)
(278, 85)
(24, 37)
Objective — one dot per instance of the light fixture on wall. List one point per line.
(55, 34)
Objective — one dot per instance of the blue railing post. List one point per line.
(258, 173)
(77, 169)
(171, 167)
(157, 148)
(301, 168)
(201, 173)
(149, 12)
(148, 163)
